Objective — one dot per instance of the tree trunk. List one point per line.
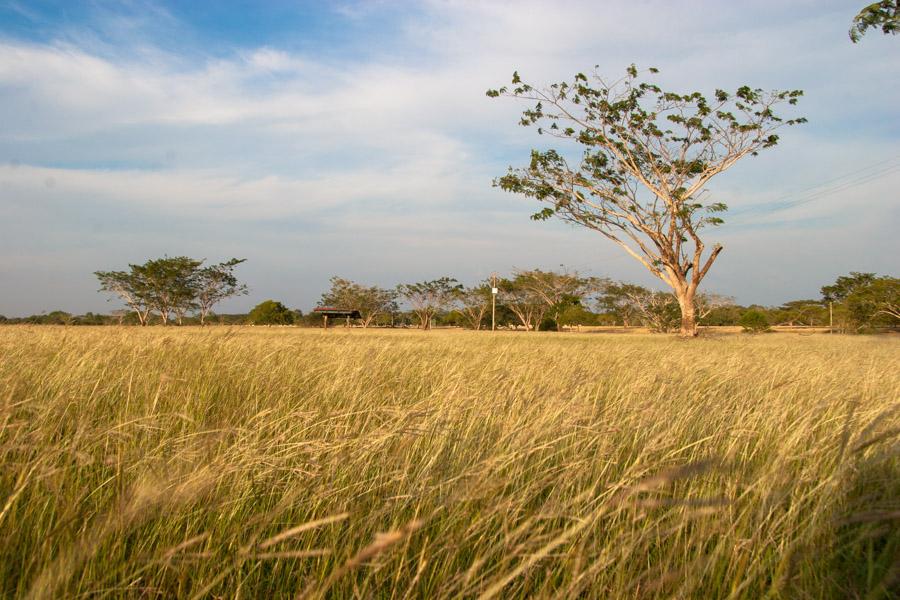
(688, 314)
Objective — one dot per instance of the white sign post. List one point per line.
(494, 292)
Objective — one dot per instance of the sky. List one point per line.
(355, 139)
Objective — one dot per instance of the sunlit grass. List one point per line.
(268, 463)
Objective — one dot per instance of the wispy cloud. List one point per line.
(135, 120)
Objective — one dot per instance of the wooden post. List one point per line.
(326, 322)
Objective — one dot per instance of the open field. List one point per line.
(282, 463)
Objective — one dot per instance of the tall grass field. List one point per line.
(288, 463)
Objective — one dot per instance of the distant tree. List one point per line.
(616, 298)
(557, 290)
(59, 317)
(707, 302)
(120, 315)
(724, 315)
(169, 285)
(803, 312)
(271, 312)
(429, 297)
(90, 318)
(648, 156)
(754, 321)
(658, 311)
(846, 285)
(884, 14)
(518, 295)
(473, 304)
(173, 285)
(370, 301)
(576, 314)
(837, 294)
(131, 287)
(875, 304)
(215, 283)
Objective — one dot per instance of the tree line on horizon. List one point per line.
(184, 291)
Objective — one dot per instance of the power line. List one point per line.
(880, 167)
(837, 184)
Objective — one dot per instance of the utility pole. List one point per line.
(830, 317)
(494, 291)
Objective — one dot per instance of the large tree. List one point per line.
(370, 301)
(884, 14)
(427, 298)
(647, 157)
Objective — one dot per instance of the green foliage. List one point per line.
(370, 301)
(754, 321)
(210, 285)
(548, 324)
(172, 285)
(473, 305)
(168, 285)
(532, 294)
(846, 285)
(801, 312)
(884, 14)
(864, 301)
(270, 312)
(634, 304)
(430, 297)
(576, 314)
(876, 304)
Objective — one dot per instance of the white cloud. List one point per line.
(378, 149)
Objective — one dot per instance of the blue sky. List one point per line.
(354, 138)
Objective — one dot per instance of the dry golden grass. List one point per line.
(283, 463)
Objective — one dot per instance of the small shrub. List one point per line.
(270, 312)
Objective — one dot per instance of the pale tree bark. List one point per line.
(135, 304)
(474, 315)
